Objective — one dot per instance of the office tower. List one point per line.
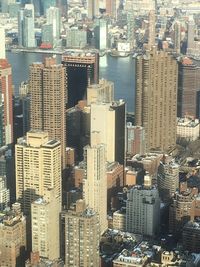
(48, 94)
(14, 9)
(101, 34)
(131, 28)
(101, 92)
(191, 34)
(54, 18)
(92, 8)
(185, 206)
(63, 6)
(5, 5)
(188, 87)
(26, 28)
(45, 216)
(82, 236)
(38, 168)
(3, 43)
(82, 69)
(47, 34)
(135, 140)
(152, 29)
(156, 98)
(191, 236)
(95, 183)
(12, 237)
(143, 211)
(167, 179)
(76, 38)
(4, 193)
(37, 7)
(111, 130)
(177, 37)
(7, 104)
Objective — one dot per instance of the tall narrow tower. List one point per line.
(95, 182)
(156, 98)
(7, 105)
(48, 94)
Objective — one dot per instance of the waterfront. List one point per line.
(120, 70)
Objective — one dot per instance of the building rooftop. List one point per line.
(187, 122)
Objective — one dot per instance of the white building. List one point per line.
(188, 129)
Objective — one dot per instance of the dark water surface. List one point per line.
(119, 70)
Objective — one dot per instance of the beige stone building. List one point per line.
(156, 98)
(48, 97)
(38, 168)
(45, 214)
(12, 237)
(95, 182)
(82, 236)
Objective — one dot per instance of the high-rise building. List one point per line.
(48, 94)
(111, 130)
(191, 236)
(2, 45)
(6, 101)
(177, 37)
(4, 193)
(82, 69)
(167, 179)
(152, 29)
(45, 214)
(135, 140)
(12, 237)
(76, 38)
(26, 27)
(47, 34)
(92, 8)
(143, 211)
(131, 28)
(101, 92)
(188, 88)
(82, 236)
(191, 34)
(112, 7)
(101, 34)
(54, 18)
(156, 98)
(95, 182)
(38, 168)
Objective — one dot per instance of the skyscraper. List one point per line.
(82, 69)
(152, 29)
(131, 28)
(177, 36)
(188, 87)
(156, 98)
(111, 130)
(7, 104)
(54, 19)
(101, 34)
(95, 182)
(38, 168)
(48, 94)
(26, 27)
(4, 193)
(191, 34)
(81, 230)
